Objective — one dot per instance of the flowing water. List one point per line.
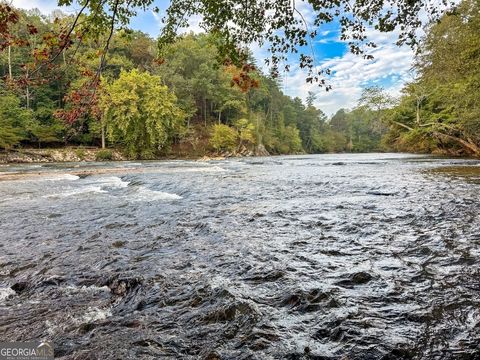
(371, 256)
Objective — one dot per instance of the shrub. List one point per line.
(223, 138)
(80, 153)
(291, 141)
(104, 155)
(246, 131)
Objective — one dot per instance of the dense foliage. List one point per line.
(140, 113)
(440, 110)
(280, 24)
(187, 102)
(14, 120)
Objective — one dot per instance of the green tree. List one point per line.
(223, 137)
(280, 23)
(14, 120)
(140, 113)
(246, 132)
(440, 108)
(291, 141)
(190, 69)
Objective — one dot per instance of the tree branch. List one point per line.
(65, 41)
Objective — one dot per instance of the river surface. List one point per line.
(367, 256)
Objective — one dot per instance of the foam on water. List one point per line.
(5, 293)
(144, 194)
(40, 178)
(61, 177)
(78, 191)
(133, 164)
(112, 181)
(96, 185)
(75, 290)
(95, 314)
(197, 169)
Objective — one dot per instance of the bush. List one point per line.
(291, 141)
(80, 153)
(223, 138)
(104, 155)
(246, 131)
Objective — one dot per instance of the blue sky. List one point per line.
(390, 67)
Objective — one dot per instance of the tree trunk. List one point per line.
(27, 92)
(10, 62)
(257, 130)
(205, 110)
(469, 146)
(402, 125)
(103, 136)
(219, 117)
(28, 97)
(418, 112)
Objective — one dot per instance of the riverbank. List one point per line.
(92, 154)
(66, 154)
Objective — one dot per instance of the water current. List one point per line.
(366, 256)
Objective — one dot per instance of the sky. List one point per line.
(390, 67)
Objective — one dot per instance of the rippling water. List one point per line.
(301, 257)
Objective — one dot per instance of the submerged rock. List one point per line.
(358, 278)
(261, 151)
(121, 286)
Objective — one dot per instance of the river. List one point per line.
(361, 256)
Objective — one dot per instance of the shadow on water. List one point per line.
(365, 256)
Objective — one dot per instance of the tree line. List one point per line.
(184, 100)
(439, 110)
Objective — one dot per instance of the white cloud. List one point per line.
(44, 6)
(351, 73)
(194, 23)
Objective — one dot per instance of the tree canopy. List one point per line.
(440, 108)
(279, 24)
(140, 113)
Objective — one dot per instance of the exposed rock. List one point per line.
(67, 154)
(211, 158)
(261, 151)
(121, 286)
(19, 287)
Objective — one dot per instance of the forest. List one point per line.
(186, 99)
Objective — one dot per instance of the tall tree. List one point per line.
(140, 113)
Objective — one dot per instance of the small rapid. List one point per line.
(361, 256)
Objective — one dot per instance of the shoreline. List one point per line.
(88, 155)
(97, 155)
